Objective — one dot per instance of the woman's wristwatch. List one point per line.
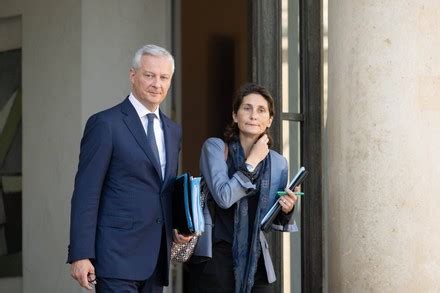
(249, 167)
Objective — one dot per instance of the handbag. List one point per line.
(182, 252)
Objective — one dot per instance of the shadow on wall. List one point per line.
(10, 164)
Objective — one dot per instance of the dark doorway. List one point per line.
(214, 54)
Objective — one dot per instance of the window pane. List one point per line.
(290, 56)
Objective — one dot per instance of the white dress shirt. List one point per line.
(142, 112)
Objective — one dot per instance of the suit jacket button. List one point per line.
(159, 221)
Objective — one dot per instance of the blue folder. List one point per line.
(187, 212)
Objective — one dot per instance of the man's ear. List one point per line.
(131, 73)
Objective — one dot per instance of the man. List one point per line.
(121, 225)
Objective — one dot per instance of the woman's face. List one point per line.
(253, 117)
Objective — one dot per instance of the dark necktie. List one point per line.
(151, 138)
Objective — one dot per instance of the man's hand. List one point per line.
(84, 272)
(179, 238)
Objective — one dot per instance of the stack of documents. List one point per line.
(273, 212)
(187, 209)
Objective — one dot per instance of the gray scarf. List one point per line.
(246, 248)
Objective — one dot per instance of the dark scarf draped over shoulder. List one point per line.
(246, 248)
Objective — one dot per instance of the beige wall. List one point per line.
(51, 131)
(10, 32)
(383, 146)
(11, 8)
(111, 32)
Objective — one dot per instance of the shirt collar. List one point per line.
(141, 110)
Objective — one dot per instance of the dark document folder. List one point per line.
(187, 212)
(273, 212)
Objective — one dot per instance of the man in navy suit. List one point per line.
(121, 222)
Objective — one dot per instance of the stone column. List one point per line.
(384, 146)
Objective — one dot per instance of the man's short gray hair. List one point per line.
(152, 50)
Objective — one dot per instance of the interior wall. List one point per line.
(214, 64)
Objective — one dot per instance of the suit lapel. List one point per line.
(131, 119)
(169, 142)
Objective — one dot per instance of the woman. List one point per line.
(243, 176)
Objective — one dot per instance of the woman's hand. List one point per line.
(289, 200)
(258, 151)
(179, 238)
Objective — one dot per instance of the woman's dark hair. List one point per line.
(232, 131)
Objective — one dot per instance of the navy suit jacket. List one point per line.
(120, 204)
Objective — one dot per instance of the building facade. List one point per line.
(364, 119)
